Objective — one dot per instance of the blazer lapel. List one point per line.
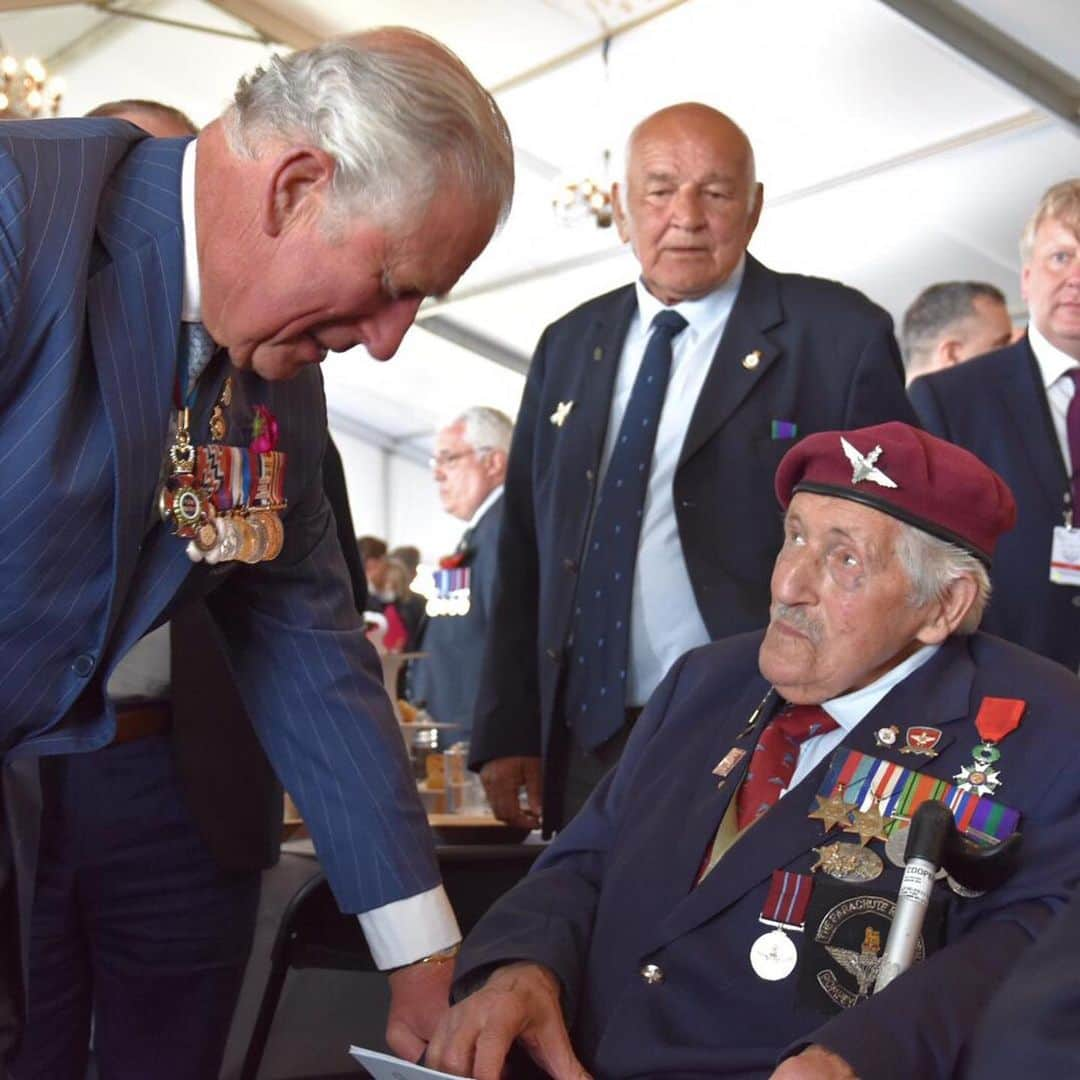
(757, 309)
(1026, 397)
(133, 306)
(582, 436)
(938, 693)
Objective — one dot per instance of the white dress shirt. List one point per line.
(405, 930)
(1053, 366)
(664, 618)
(848, 710)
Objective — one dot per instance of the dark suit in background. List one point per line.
(448, 677)
(1032, 1026)
(996, 407)
(823, 358)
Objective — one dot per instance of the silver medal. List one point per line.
(896, 845)
(773, 956)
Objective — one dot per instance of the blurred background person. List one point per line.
(469, 467)
(951, 322)
(373, 553)
(1018, 410)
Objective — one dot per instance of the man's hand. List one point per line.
(815, 1063)
(419, 997)
(503, 778)
(519, 1001)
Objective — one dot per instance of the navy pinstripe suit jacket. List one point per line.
(91, 252)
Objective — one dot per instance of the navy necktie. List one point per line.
(595, 692)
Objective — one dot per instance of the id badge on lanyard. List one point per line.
(1065, 550)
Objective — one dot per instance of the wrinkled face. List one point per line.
(986, 329)
(1051, 285)
(316, 288)
(840, 616)
(690, 204)
(464, 474)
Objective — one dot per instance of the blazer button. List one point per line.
(569, 566)
(83, 666)
(652, 974)
(590, 475)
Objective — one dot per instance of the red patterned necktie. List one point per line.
(773, 763)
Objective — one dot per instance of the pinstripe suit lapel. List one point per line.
(133, 307)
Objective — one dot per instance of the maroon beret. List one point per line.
(908, 474)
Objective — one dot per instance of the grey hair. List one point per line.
(399, 113)
(935, 311)
(933, 564)
(485, 428)
(1061, 202)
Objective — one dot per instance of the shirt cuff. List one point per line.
(407, 930)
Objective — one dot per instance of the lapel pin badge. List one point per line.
(727, 763)
(751, 360)
(562, 411)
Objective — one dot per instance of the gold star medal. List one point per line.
(869, 824)
(831, 811)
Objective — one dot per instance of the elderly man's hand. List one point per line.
(419, 998)
(815, 1063)
(519, 1002)
(503, 778)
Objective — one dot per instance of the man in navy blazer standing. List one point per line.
(1017, 408)
(638, 521)
(164, 305)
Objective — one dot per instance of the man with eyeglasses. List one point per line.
(469, 466)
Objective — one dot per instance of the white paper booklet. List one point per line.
(385, 1067)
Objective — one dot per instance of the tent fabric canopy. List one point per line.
(890, 157)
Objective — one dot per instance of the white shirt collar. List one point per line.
(848, 710)
(492, 497)
(702, 315)
(191, 301)
(1053, 363)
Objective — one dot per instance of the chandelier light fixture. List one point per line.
(26, 91)
(578, 200)
(586, 197)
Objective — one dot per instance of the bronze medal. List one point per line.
(275, 534)
(247, 542)
(848, 862)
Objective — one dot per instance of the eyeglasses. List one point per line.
(448, 461)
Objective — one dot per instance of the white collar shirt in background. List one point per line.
(1053, 366)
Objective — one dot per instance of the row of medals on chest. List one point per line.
(857, 863)
(244, 534)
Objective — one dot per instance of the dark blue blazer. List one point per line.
(448, 677)
(1032, 1027)
(643, 835)
(827, 360)
(996, 407)
(91, 252)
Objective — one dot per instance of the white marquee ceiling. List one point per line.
(890, 159)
